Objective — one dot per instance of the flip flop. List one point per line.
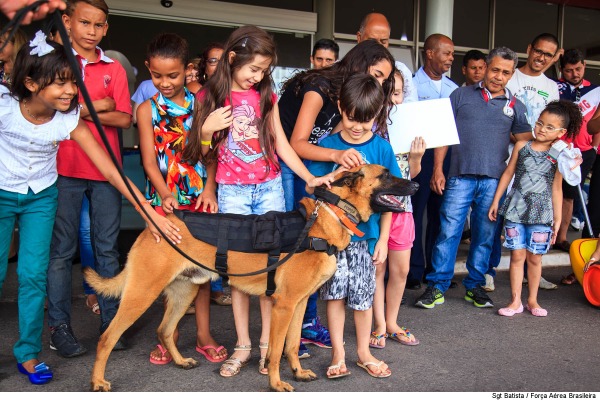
(569, 279)
(204, 352)
(381, 373)
(163, 351)
(338, 366)
(397, 336)
(377, 337)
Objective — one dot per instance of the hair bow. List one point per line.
(39, 45)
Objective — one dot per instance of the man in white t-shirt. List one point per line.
(536, 90)
(529, 84)
(376, 26)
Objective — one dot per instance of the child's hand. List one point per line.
(555, 228)
(493, 212)
(381, 252)
(348, 158)
(169, 228)
(417, 148)
(169, 203)
(106, 104)
(208, 201)
(218, 120)
(321, 180)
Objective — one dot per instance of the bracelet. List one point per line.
(137, 208)
(206, 142)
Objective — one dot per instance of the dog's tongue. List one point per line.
(393, 199)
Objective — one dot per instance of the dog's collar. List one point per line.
(351, 213)
(345, 220)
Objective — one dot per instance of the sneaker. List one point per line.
(315, 333)
(430, 298)
(544, 284)
(576, 224)
(489, 283)
(478, 297)
(303, 351)
(62, 339)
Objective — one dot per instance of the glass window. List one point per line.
(349, 14)
(292, 51)
(592, 74)
(519, 21)
(470, 25)
(579, 25)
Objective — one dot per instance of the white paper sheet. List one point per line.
(431, 119)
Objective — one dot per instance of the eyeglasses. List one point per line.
(212, 61)
(540, 53)
(548, 128)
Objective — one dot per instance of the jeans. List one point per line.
(294, 191)
(294, 188)
(105, 217)
(35, 214)
(462, 192)
(86, 254)
(251, 199)
(594, 200)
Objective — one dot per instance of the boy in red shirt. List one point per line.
(106, 82)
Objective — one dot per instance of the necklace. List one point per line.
(38, 119)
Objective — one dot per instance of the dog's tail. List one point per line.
(108, 287)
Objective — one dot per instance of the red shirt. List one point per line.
(103, 78)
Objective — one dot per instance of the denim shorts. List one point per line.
(535, 238)
(251, 199)
(354, 279)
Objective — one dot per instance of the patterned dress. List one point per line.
(529, 201)
(171, 124)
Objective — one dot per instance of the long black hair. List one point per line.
(358, 60)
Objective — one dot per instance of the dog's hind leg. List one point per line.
(133, 304)
(179, 294)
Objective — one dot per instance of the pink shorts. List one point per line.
(402, 231)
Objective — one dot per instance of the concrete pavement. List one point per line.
(463, 349)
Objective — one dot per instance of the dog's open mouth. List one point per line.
(389, 202)
(392, 198)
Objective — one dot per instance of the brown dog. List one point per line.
(153, 268)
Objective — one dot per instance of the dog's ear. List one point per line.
(348, 179)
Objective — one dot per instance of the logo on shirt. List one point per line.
(107, 80)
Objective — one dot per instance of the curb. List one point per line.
(551, 259)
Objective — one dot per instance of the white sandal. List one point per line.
(338, 366)
(233, 365)
(262, 361)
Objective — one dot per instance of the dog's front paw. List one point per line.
(305, 375)
(281, 386)
(188, 363)
(101, 386)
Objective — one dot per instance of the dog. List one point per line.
(154, 268)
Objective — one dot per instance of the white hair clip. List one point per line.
(39, 45)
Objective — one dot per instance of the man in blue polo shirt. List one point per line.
(486, 115)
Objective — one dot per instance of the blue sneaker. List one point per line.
(316, 334)
(303, 351)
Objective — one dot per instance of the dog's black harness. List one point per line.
(273, 233)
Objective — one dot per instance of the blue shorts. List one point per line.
(535, 238)
(251, 199)
(354, 279)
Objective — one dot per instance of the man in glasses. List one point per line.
(572, 86)
(536, 90)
